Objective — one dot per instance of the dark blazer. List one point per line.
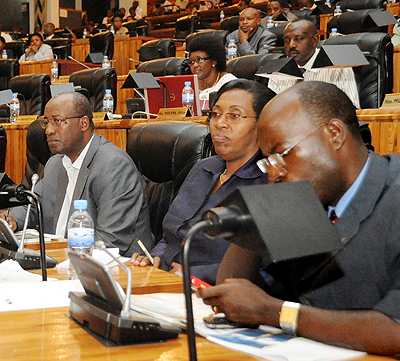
(365, 274)
(114, 189)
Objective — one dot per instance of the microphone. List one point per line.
(35, 179)
(136, 61)
(77, 61)
(226, 221)
(127, 304)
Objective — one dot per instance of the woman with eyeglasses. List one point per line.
(207, 59)
(37, 50)
(233, 126)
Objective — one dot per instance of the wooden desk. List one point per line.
(50, 335)
(66, 67)
(396, 68)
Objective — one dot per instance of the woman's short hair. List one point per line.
(261, 94)
(212, 46)
(32, 35)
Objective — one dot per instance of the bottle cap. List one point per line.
(80, 204)
(334, 30)
(188, 83)
(108, 91)
(105, 57)
(270, 17)
(14, 95)
(231, 40)
(54, 63)
(337, 6)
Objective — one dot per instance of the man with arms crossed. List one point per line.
(300, 40)
(310, 132)
(87, 166)
(251, 38)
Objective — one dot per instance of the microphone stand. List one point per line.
(76, 61)
(187, 289)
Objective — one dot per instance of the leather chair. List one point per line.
(62, 33)
(8, 69)
(166, 66)
(230, 24)
(356, 22)
(346, 5)
(157, 49)
(247, 66)
(186, 25)
(3, 148)
(102, 43)
(34, 90)
(96, 81)
(221, 34)
(164, 153)
(278, 31)
(306, 14)
(137, 27)
(61, 47)
(18, 47)
(376, 79)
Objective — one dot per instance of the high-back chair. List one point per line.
(102, 43)
(96, 81)
(18, 47)
(220, 34)
(376, 79)
(164, 153)
(166, 66)
(8, 69)
(157, 49)
(60, 46)
(186, 25)
(33, 90)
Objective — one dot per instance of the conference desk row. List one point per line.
(49, 334)
(384, 124)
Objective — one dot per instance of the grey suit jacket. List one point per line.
(259, 43)
(365, 273)
(115, 192)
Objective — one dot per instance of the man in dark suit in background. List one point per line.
(310, 132)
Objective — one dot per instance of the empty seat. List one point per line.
(102, 43)
(157, 49)
(166, 66)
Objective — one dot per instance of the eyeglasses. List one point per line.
(276, 160)
(230, 117)
(197, 61)
(56, 122)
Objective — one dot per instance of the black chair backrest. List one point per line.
(62, 33)
(221, 34)
(230, 24)
(166, 66)
(102, 43)
(164, 153)
(278, 31)
(35, 92)
(17, 47)
(346, 5)
(356, 22)
(157, 49)
(376, 79)
(3, 148)
(247, 66)
(96, 81)
(8, 69)
(186, 25)
(306, 14)
(61, 47)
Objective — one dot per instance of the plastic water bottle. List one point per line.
(14, 108)
(106, 62)
(80, 232)
(334, 33)
(188, 96)
(84, 35)
(4, 55)
(221, 16)
(337, 11)
(232, 49)
(112, 29)
(54, 72)
(328, 3)
(108, 104)
(270, 22)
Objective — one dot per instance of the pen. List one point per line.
(8, 214)
(146, 252)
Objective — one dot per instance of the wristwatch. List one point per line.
(288, 317)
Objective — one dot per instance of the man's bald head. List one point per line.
(251, 12)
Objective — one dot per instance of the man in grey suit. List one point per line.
(351, 297)
(87, 166)
(251, 37)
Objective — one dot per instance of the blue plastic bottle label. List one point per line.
(80, 237)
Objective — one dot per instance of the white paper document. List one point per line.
(35, 295)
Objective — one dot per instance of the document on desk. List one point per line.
(18, 296)
(265, 342)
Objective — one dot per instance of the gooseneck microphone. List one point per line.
(77, 61)
(35, 179)
(127, 303)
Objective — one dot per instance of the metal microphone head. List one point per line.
(35, 179)
(100, 245)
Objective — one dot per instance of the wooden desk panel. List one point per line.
(80, 49)
(396, 69)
